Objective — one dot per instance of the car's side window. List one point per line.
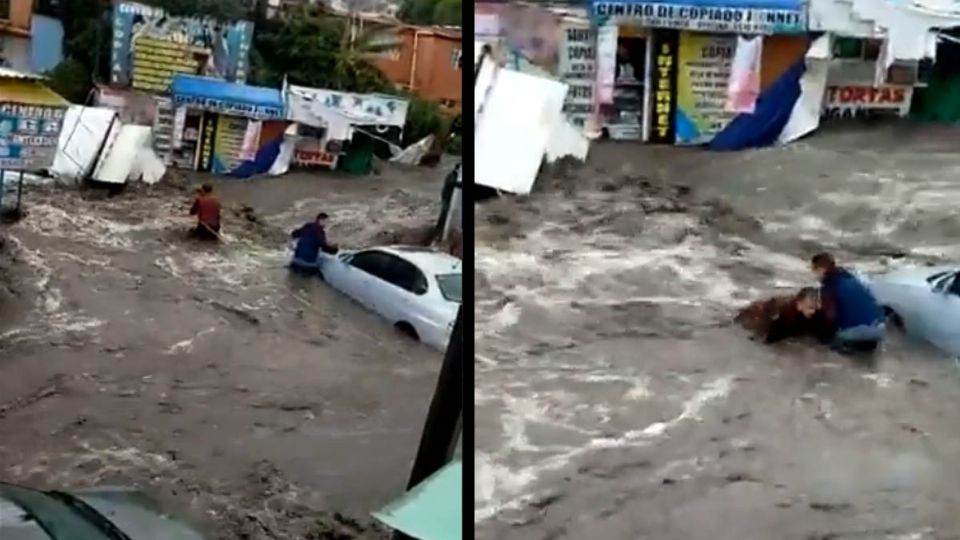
(371, 262)
(405, 275)
(954, 286)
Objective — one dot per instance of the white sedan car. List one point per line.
(417, 289)
(926, 301)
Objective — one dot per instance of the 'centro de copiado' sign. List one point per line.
(705, 18)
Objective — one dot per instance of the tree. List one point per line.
(70, 79)
(428, 12)
(314, 50)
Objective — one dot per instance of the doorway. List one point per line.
(624, 118)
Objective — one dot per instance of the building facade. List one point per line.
(426, 61)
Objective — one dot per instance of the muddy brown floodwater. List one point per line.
(615, 400)
(255, 404)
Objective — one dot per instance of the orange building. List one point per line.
(427, 62)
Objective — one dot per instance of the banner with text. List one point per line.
(577, 68)
(779, 18)
(663, 86)
(150, 46)
(28, 136)
(866, 101)
(702, 78)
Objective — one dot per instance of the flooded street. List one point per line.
(616, 401)
(251, 401)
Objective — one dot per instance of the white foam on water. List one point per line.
(500, 488)
(186, 346)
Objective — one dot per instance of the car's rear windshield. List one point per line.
(451, 287)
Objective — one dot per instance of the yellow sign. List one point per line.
(155, 61)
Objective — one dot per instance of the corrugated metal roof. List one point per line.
(8, 73)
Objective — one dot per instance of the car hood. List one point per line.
(136, 515)
(912, 276)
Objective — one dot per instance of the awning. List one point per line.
(29, 92)
(226, 97)
(433, 509)
(723, 16)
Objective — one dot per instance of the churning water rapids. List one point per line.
(616, 401)
(250, 401)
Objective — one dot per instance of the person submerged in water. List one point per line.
(785, 317)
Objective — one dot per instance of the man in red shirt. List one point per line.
(207, 209)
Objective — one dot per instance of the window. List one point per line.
(391, 269)
(451, 287)
(405, 275)
(371, 262)
(857, 49)
(5, 9)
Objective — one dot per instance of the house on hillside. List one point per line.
(427, 61)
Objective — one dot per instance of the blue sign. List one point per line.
(28, 136)
(229, 107)
(721, 16)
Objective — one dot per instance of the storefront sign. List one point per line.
(606, 63)
(361, 109)
(228, 144)
(28, 136)
(702, 18)
(314, 158)
(663, 85)
(702, 79)
(864, 101)
(149, 46)
(208, 137)
(576, 68)
(232, 108)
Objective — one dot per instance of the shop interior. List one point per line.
(624, 118)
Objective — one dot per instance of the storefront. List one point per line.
(31, 118)
(225, 128)
(332, 123)
(662, 69)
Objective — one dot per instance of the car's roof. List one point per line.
(915, 274)
(429, 260)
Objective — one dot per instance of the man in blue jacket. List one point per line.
(848, 306)
(311, 238)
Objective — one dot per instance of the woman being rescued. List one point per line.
(784, 317)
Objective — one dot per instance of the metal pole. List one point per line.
(441, 431)
(454, 211)
(19, 194)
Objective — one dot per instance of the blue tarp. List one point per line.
(773, 110)
(219, 90)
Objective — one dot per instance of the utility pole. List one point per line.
(445, 417)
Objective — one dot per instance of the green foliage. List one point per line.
(441, 12)
(313, 50)
(71, 80)
(423, 118)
